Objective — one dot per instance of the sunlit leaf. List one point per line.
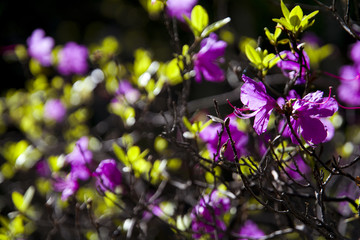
(215, 26)
(252, 55)
(199, 19)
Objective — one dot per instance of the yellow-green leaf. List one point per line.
(284, 10)
(199, 19)
(18, 200)
(28, 196)
(296, 16)
(119, 152)
(187, 123)
(133, 153)
(215, 26)
(252, 55)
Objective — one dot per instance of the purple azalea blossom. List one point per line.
(254, 96)
(202, 214)
(42, 168)
(351, 192)
(79, 159)
(349, 89)
(205, 61)
(307, 114)
(263, 141)
(80, 171)
(290, 66)
(210, 136)
(108, 175)
(39, 47)
(330, 130)
(67, 186)
(176, 8)
(73, 59)
(55, 110)
(355, 52)
(312, 38)
(126, 90)
(251, 230)
(302, 166)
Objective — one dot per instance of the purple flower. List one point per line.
(210, 136)
(80, 154)
(80, 171)
(203, 214)
(79, 159)
(302, 167)
(312, 38)
(67, 186)
(205, 61)
(40, 47)
(355, 52)
(349, 89)
(254, 96)
(177, 9)
(73, 59)
(290, 66)
(351, 192)
(251, 230)
(42, 168)
(306, 117)
(130, 94)
(55, 110)
(108, 175)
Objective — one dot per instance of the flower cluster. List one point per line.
(349, 89)
(211, 137)
(206, 215)
(179, 9)
(250, 230)
(40, 47)
(290, 66)
(108, 177)
(206, 60)
(306, 115)
(72, 58)
(55, 110)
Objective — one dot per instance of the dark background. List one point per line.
(89, 21)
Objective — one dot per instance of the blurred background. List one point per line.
(87, 22)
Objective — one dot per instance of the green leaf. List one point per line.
(284, 23)
(119, 152)
(283, 41)
(273, 61)
(18, 200)
(267, 59)
(268, 34)
(187, 123)
(295, 16)
(173, 71)
(205, 125)
(28, 196)
(215, 26)
(133, 153)
(17, 225)
(277, 32)
(199, 19)
(284, 10)
(252, 55)
(305, 21)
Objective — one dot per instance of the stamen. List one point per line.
(344, 106)
(328, 98)
(340, 78)
(236, 109)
